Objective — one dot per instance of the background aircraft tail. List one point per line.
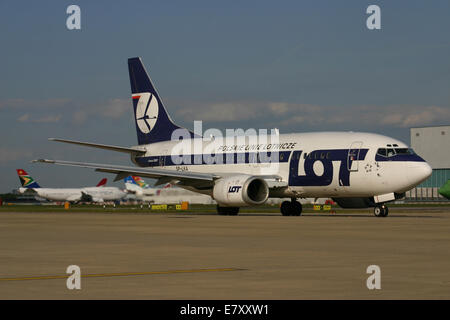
(26, 180)
(102, 182)
(153, 124)
(137, 181)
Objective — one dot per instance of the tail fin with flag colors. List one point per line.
(26, 180)
(140, 182)
(129, 179)
(137, 181)
(102, 182)
(153, 124)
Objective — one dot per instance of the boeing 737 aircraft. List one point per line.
(100, 193)
(357, 170)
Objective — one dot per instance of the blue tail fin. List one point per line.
(153, 124)
(129, 179)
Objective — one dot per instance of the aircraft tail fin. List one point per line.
(102, 182)
(140, 182)
(129, 179)
(153, 123)
(26, 180)
(136, 181)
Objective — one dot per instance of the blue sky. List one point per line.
(295, 65)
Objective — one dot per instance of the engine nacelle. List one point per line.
(240, 190)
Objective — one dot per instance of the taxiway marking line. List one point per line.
(120, 274)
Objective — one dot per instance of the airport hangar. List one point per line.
(432, 144)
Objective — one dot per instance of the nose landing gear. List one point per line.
(291, 208)
(381, 211)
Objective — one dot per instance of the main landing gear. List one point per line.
(227, 211)
(381, 211)
(291, 208)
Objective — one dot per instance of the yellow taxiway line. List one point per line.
(120, 274)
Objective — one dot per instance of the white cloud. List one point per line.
(415, 116)
(9, 154)
(24, 118)
(33, 104)
(77, 112)
(113, 109)
(400, 116)
(46, 119)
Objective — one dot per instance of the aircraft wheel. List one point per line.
(380, 211)
(291, 208)
(286, 208)
(297, 208)
(386, 212)
(231, 211)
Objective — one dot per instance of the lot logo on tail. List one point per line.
(146, 111)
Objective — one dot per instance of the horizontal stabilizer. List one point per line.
(136, 150)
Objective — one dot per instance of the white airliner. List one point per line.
(136, 185)
(167, 194)
(100, 193)
(357, 170)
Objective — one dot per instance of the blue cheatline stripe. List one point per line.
(221, 158)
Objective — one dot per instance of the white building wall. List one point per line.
(432, 144)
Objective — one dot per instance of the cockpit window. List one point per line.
(403, 151)
(390, 152)
(382, 152)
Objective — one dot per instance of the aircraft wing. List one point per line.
(163, 175)
(188, 178)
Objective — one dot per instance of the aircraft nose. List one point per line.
(419, 172)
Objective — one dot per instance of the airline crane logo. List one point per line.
(146, 111)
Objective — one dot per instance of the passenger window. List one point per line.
(382, 152)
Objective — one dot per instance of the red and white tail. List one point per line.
(102, 182)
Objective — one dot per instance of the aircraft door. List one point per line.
(353, 156)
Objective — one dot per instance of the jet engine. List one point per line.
(240, 190)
